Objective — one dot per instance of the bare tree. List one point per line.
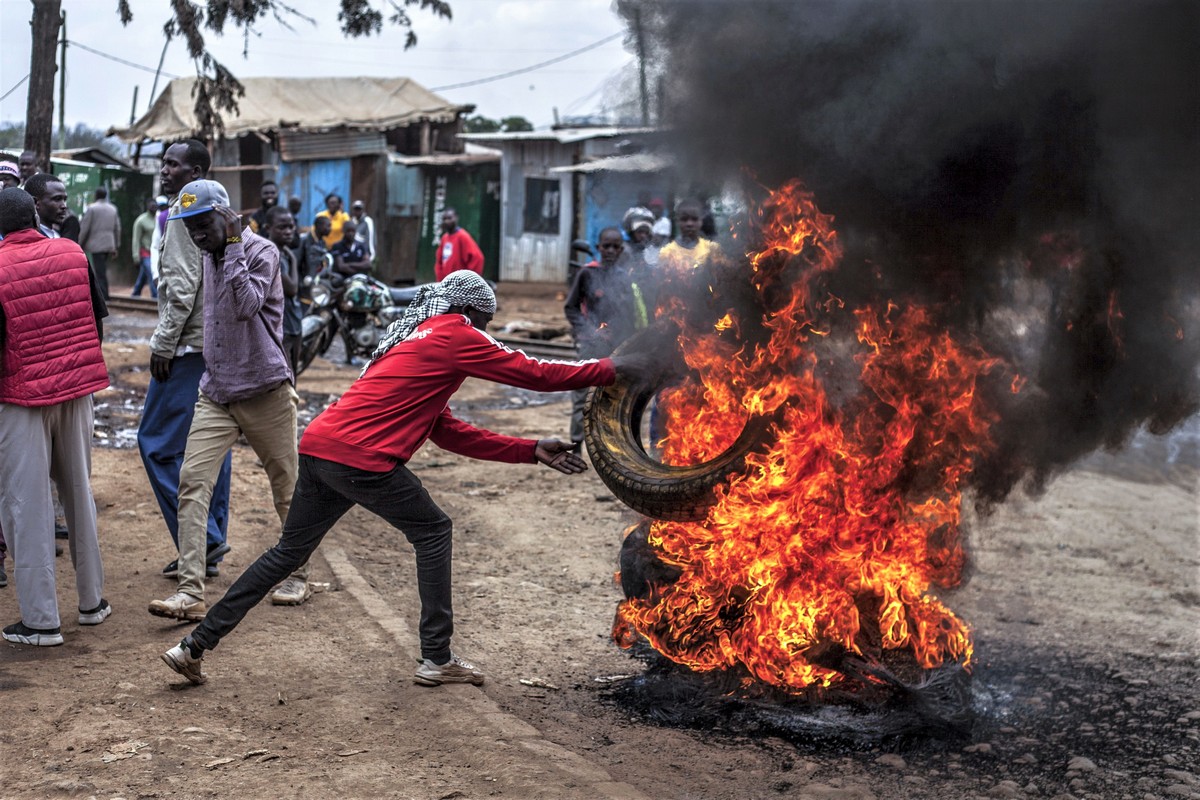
(39, 110)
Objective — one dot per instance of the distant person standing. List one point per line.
(99, 233)
(364, 228)
(280, 230)
(269, 198)
(141, 247)
(689, 250)
(349, 255)
(27, 164)
(161, 210)
(293, 206)
(337, 218)
(52, 365)
(312, 250)
(457, 250)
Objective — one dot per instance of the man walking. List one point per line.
(52, 364)
(354, 453)
(99, 233)
(457, 250)
(176, 364)
(247, 384)
(143, 240)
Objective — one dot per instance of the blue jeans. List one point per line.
(162, 439)
(325, 491)
(144, 278)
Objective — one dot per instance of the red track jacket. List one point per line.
(388, 413)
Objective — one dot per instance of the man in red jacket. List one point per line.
(50, 364)
(457, 250)
(355, 452)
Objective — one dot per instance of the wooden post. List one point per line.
(39, 113)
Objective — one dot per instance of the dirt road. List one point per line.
(1085, 604)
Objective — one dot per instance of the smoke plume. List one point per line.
(1029, 169)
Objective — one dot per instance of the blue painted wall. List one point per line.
(311, 181)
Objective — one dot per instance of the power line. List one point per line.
(16, 86)
(530, 68)
(142, 67)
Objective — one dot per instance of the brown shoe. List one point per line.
(180, 605)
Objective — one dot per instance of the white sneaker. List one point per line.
(456, 670)
(291, 592)
(96, 615)
(180, 659)
(180, 605)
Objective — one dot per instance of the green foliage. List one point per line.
(12, 137)
(514, 124)
(481, 124)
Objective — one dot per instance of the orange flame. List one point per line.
(839, 531)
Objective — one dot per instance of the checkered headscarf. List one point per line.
(461, 288)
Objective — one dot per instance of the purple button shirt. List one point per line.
(243, 322)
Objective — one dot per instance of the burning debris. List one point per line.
(1008, 287)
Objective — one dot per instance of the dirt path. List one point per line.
(1085, 602)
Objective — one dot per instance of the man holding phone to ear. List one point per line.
(246, 388)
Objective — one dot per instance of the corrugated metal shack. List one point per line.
(314, 136)
(542, 207)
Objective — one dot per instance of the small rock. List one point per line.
(981, 747)
(891, 760)
(1179, 776)
(219, 762)
(1027, 758)
(1192, 715)
(1081, 764)
(1181, 790)
(1005, 789)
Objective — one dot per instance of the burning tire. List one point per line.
(611, 429)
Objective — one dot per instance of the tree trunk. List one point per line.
(39, 114)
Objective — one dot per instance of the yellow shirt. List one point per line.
(336, 221)
(676, 257)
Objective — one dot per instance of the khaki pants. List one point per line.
(37, 445)
(268, 422)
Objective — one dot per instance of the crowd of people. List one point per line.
(220, 370)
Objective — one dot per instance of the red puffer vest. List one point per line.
(51, 348)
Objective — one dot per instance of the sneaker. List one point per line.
(291, 592)
(17, 632)
(60, 530)
(58, 550)
(180, 605)
(96, 615)
(456, 670)
(211, 558)
(3, 576)
(180, 659)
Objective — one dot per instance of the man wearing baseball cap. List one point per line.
(246, 388)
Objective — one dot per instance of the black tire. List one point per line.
(612, 421)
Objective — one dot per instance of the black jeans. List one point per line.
(325, 491)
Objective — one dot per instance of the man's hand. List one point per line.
(160, 367)
(560, 456)
(233, 220)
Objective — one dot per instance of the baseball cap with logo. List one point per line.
(199, 197)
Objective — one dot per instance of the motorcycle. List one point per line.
(359, 308)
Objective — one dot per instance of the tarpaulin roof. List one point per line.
(298, 104)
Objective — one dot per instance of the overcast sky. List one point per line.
(485, 38)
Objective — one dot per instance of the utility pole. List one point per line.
(62, 87)
(132, 117)
(641, 54)
(39, 110)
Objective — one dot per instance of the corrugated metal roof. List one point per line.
(636, 162)
(299, 104)
(334, 144)
(475, 154)
(561, 135)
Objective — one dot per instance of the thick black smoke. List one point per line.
(1028, 168)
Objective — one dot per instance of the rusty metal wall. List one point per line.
(534, 257)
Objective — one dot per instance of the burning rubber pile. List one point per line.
(843, 514)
